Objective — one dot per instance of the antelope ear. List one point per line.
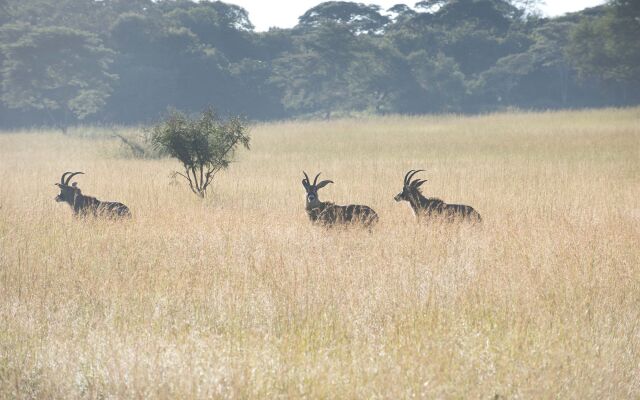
(57, 184)
(323, 184)
(74, 184)
(305, 184)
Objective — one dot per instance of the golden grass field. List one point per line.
(239, 296)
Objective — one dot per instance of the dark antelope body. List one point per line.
(86, 205)
(327, 213)
(431, 207)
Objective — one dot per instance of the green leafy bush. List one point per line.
(204, 145)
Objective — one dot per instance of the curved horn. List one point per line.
(316, 178)
(417, 182)
(412, 174)
(405, 177)
(62, 177)
(71, 176)
(323, 184)
(306, 177)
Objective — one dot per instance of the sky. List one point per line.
(285, 13)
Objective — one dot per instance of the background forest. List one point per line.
(126, 61)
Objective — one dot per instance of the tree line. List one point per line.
(65, 62)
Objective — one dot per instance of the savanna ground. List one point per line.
(238, 296)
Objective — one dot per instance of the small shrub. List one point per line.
(204, 145)
(137, 145)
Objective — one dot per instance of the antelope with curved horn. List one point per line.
(432, 207)
(85, 205)
(327, 213)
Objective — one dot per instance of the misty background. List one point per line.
(65, 62)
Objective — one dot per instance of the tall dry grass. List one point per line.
(238, 296)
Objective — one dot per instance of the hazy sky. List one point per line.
(285, 13)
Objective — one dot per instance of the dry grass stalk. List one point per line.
(239, 296)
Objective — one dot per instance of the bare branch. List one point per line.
(188, 180)
(136, 149)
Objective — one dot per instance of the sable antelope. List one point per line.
(85, 205)
(432, 207)
(327, 213)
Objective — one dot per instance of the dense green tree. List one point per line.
(478, 33)
(379, 79)
(543, 69)
(272, 44)
(607, 47)
(62, 71)
(162, 66)
(222, 26)
(5, 14)
(443, 84)
(313, 79)
(357, 17)
(548, 50)
(400, 12)
(87, 15)
(414, 33)
(491, 15)
(255, 90)
(342, 58)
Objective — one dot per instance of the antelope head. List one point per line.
(312, 189)
(410, 188)
(67, 192)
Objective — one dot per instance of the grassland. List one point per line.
(238, 296)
